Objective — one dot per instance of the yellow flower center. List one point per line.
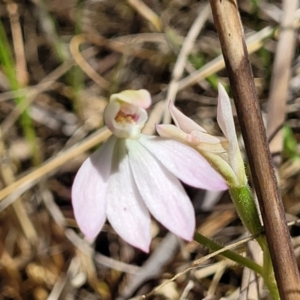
(123, 118)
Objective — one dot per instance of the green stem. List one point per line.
(268, 273)
(247, 210)
(248, 213)
(213, 246)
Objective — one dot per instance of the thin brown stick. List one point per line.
(229, 28)
(182, 58)
(7, 176)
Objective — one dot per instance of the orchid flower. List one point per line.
(133, 174)
(222, 152)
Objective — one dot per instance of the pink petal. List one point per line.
(140, 98)
(197, 139)
(171, 131)
(204, 137)
(161, 191)
(209, 143)
(185, 163)
(224, 115)
(89, 190)
(182, 121)
(226, 123)
(126, 211)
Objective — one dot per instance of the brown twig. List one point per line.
(18, 208)
(229, 28)
(182, 58)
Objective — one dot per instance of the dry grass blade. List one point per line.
(21, 67)
(197, 263)
(182, 58)
(280, 78)
(147, 13)
(18, 209)
(79, 59)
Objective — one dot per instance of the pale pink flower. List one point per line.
(133, 174)
(222, 152)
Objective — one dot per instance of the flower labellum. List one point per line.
(133, 174)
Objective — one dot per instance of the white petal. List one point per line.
(161, 191)
(89, 190)
(185, 163)
(126, 211)
(110, 113)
